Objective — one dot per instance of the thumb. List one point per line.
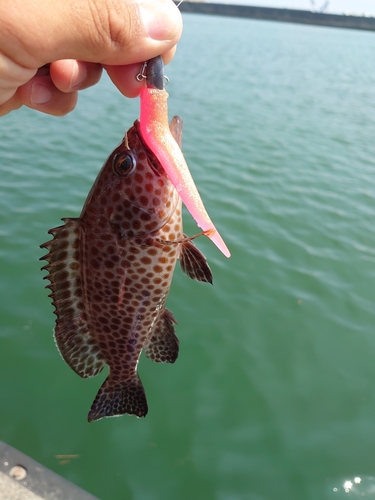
(114, 32)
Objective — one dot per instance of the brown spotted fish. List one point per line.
(110, 272)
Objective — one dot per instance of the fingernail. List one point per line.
(79, 74)
(39, 94)
(162, 19)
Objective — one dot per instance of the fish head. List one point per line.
(132, 191)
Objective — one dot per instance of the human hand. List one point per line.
(49, 50)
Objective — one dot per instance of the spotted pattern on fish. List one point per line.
(110, 272)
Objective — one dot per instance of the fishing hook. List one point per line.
(153, 72)
(142, 75)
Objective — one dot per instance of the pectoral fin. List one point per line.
(194, 263)
(163, 345)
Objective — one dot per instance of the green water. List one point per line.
(273, 394)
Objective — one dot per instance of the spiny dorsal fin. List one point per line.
(163, 345)
(194, 263)
(72, 335)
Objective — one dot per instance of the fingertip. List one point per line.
(42, 95)
(169, 55)
(124, 77)
(70, 74)
(152, 28)
(162, 19)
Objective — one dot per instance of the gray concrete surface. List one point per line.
(22, 478)
(12, 490)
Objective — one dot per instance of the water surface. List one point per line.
(272, 396)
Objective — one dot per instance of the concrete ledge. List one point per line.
(21, 478)
(283, 15)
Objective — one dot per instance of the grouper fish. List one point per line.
(110, 272)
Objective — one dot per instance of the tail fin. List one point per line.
(114, 399)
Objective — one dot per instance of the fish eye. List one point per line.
(123, 164)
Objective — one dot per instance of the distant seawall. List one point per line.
(284, 15)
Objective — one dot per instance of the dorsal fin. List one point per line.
(163, 345)
(72, 335)
(176, 129)
(194, 263)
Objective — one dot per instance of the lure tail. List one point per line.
(114, 399)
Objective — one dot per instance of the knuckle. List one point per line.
(108, 25)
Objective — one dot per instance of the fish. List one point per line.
(110, 272)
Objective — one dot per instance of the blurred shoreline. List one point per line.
(283, 15)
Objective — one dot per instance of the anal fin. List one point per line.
(72, 335)
(163, 345)
(194, 263)
(114, 399)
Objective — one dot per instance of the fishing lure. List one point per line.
(157, 135)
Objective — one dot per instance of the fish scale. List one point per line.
(110, 272)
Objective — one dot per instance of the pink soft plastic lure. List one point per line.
(156, 133)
